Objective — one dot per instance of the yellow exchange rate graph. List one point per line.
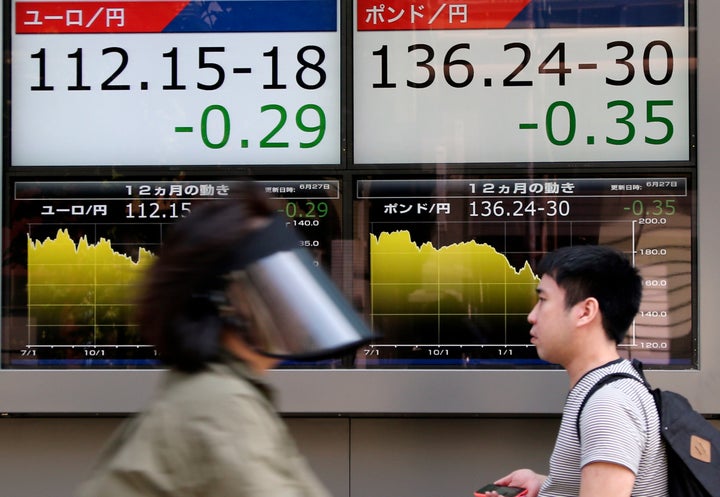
(85, 285)
(466, 278)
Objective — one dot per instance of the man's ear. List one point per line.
(587, 310)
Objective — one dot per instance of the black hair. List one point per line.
(601, 272)
(177, 307)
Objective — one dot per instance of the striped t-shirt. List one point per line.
(619, 424)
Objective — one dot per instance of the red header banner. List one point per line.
(95, 17)
(403, 15)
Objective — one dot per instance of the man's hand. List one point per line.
(524, 478)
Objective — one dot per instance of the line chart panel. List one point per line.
(450, 272)
(79, 250)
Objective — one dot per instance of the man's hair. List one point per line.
(601, 272)
(176, 308)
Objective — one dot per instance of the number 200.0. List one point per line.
(268, 140)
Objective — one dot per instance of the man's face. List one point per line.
(551, 322)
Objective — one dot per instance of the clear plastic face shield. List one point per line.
(294, 309)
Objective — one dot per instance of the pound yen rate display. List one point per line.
(452, 263)
(176, 82)
(79, 249)
(522, 81)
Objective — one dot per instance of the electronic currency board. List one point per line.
(428, 151)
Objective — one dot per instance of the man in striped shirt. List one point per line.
(587, 299)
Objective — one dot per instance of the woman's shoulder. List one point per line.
(216, 386)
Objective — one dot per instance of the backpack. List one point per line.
(692, 444)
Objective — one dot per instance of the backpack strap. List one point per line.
(609, 378)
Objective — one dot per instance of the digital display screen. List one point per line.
(430, 152)
(451, 262)
(79, 249)
(175, 83)
(482, 81)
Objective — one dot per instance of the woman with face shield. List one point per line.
(229, 296)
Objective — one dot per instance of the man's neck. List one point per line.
(591, 360)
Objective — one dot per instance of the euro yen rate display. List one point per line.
(522, 81)
(451, 263)
(175, 82)
(78, 251)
